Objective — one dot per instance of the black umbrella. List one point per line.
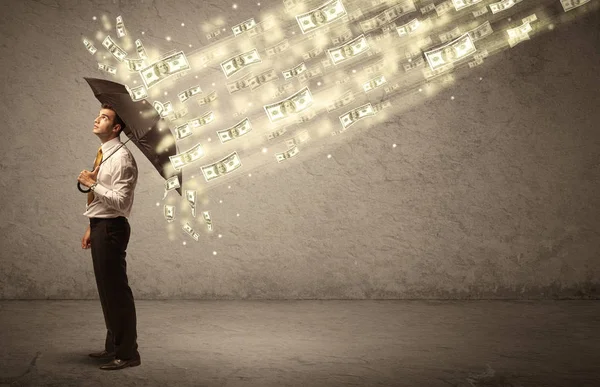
(142, 129)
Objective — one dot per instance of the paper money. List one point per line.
(237, 63)
(240, 84)
(502, 5)
(481, 54)
(321, 16)
(276, 133)
(481, 31)
(164, 68)
(262, 78)
(306, 117)
(120, 27)
(298, 139)
(284, 89)
(461, 4)
(213, 34)
(480, 12)
(135, 65)
(178, 114)
(374, 83)
(529, 19)
(387, 16)
(186, 158)
(308, 74)
(114, 48)
(189, 93)
(207, 220)
(518, 34)
(345, 99)
(208, 99)
(140, 49)
(295, 104)
(413, 64)
(312, 53)
(287, 154)
(237, 130)
(374, 68)
(171, 184)
(137, 93)
(190, 231)
(349, 50)
(350, 117)
(353, 15)
(290, 4)
(290, 73)
(278, 48)
(107, 68)
(427, 8)
(169, 212)
(163, 109)
(343, 37)
(222, 167)
(475, 62)
(183, 131)
(263, 26)
(408, 28)
(90, 47)
(572, 4)
(243, 27)
(450, 52)
(382, 105)
(205, 119)
(444, 8)
(455, 32)
(190, 196)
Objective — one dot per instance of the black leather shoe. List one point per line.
(117, 364)
(102, 355)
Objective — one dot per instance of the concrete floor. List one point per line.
(309, 343)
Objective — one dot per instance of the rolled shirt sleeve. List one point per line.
(124, 179)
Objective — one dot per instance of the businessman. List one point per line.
(109, 204)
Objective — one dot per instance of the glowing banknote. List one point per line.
(163, 109)
(374, 83)
(342, 38)
(293, 72)
(387, 16)
(207, 220)
(278, 48)
(481, 31)
(452, 34)
(243, 27)
(461, 4)
(518, 34)
(140, 49)
(190, 231)
(408, 28)
(183, 159)
(350, 117)
(345, 99)
(450, 52)
(571, 4)
(237, 130)
(291, 105)
(222, 167)
(134, 65)
(137, 93)
(208, 99)
(169, 211)
(171, 184)
(239, 62)
(114, 48)
(480, 12)
(444, 8)
(312, 53)
(321, 16)
(164, 68)
(120, 27)
(287, 154)
(90, 47)
(263, 26)
(262, 78)
(502, 5)
(298, 139)
(205, 119)
(240, 84)
(189, 93)
(190, 196)
(276, 133)
(107, 68)
(349, 50)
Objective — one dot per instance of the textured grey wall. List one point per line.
(491, 194)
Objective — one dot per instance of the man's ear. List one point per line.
(118, 127)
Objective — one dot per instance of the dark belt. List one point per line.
(118, 219)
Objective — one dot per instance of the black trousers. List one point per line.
(109, 239)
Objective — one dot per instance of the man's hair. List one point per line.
(117, 120)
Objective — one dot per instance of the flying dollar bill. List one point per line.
(222, 167)
(291, 105)
(350, 117)
(208, 99)
(169, 212)
(243, 27)
(163, 109)
(321, 16)
(207, 220)
(137, 93)
(213, 34)
(120, 27)
(239, 62)
(413, 64)
(481, 31)
(262, 78)
(529, 19)
(444, 8)
(237, 130)
(502, 5)
(387, 16)
(409, 27)
(342, 38)
(240, 84)
(308, 74)
(298, 139)
(518, 34)
(293, 72)
(171, 184)
(185, 158)
(190, 231)
(374, 83)
(107, 68)
(164, 68)
(278, 48)
(572, 4)
(345, 99)
(349, 50)
(450, 52)
(427, 8)
(312, 53)
(480, 12)
(461, 4)
(287, 154)
(452, 34)
(190, 196)
(179, 114)
(189, 93)
(263, 26)
(205, 119)
(114, 48)
(140, 49)
(90, 47)
(134, 65)
(276, 133)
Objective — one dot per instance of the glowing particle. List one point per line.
(183, 24)
(264, 150)
(168, 38)
(354, 71)
(238, 215)
(134, 81)
(220, 201)
(214, 253)
(196, 77)
(318, 83)
(234, 6)
(551, 27)
(209, 140)
(394, 145)
(420, 90)
(258, 4)
(452, 97)
(480, 78)
(213, 83)
(190, 46)
(184, 243)
(328, 156)
(249, 175)
(142, 32)
(157, 204)
(229, 186)
(220, 236)
(166, 93)
(94, 18)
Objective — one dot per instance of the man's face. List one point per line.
(104, 123)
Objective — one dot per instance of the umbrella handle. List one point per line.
(79, 188)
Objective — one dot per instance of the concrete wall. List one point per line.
(492, 194)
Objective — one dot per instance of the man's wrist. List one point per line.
(93, 185)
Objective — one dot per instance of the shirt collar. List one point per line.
(110, 144)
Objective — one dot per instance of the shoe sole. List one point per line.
(133, 364)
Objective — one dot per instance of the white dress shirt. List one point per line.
(117, 178)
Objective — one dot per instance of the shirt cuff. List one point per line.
(100, 190)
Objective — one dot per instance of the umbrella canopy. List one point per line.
(142, 129)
